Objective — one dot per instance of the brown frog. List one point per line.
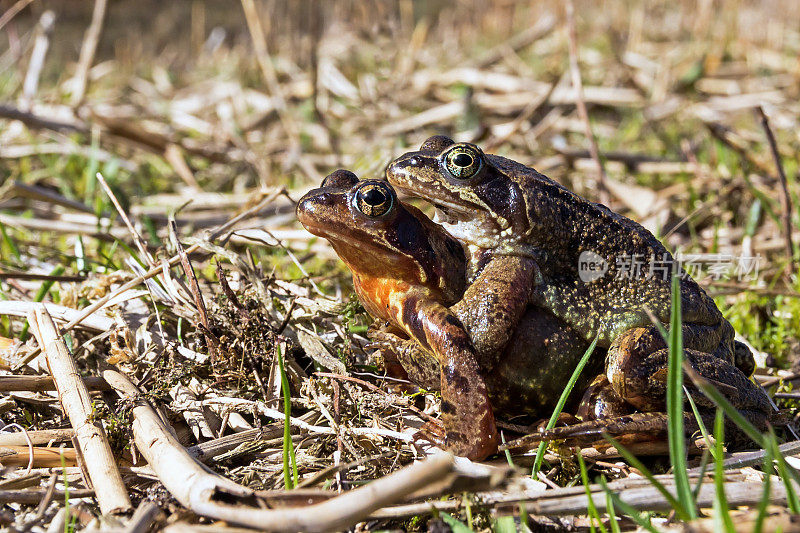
(597, 271)
(400, 276)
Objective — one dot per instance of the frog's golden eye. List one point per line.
(374, 199)
(463, 161)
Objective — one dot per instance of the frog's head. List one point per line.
(476, 198)
(379, 237)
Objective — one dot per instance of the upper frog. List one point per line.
(600, 271)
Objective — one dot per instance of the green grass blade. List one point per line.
(637, 464)
(703, 430)
(722, 513)
(785, 471)
(9, 243)
(467, 503)
(537, 464)
(67, 513)
(626, 509)
(593, 514)
(675, 433)
(720, 401)
(504, 524)
(289, 460)
(612, 516)
(703, 465)
(758, 527)
(456, 525)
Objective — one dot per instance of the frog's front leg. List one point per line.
(636, 367)
(494, 303)
(490, 310)
(466, 410)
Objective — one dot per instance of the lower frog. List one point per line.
(407, 270)
(387, 268)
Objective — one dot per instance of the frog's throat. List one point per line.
(481, 232)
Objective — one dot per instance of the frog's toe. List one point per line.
(433, 432)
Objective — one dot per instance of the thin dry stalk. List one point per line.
(88, 50)
(45, 383)
(265, 63)
(188, 271)
(80, 316)
(91, 321)
(33, 497)
(565, 501)
(543, 27)
(112, 495)
(17, 189)
(137, 238)
(35, 122)
(174, 156)
(12, 12)
(37, 437)
(31, 84)
(580, 103)
(786, 200)
(37, 457)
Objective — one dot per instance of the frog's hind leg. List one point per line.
(601, 401)
(636, 367)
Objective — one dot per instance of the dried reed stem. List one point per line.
(112, 495)
(88, 50)
(786, 200)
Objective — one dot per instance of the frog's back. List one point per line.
(599, 260)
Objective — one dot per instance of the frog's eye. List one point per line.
(463, 161)
(374, 199)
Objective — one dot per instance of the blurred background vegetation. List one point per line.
(260, 94)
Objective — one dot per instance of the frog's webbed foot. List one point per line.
(636, 367)
(415, 363)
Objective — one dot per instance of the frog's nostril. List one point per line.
(310, 205)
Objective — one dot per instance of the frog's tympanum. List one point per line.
(599, 273)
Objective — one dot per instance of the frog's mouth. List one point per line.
(444, 214)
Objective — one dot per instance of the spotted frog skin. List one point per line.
(502, 211)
